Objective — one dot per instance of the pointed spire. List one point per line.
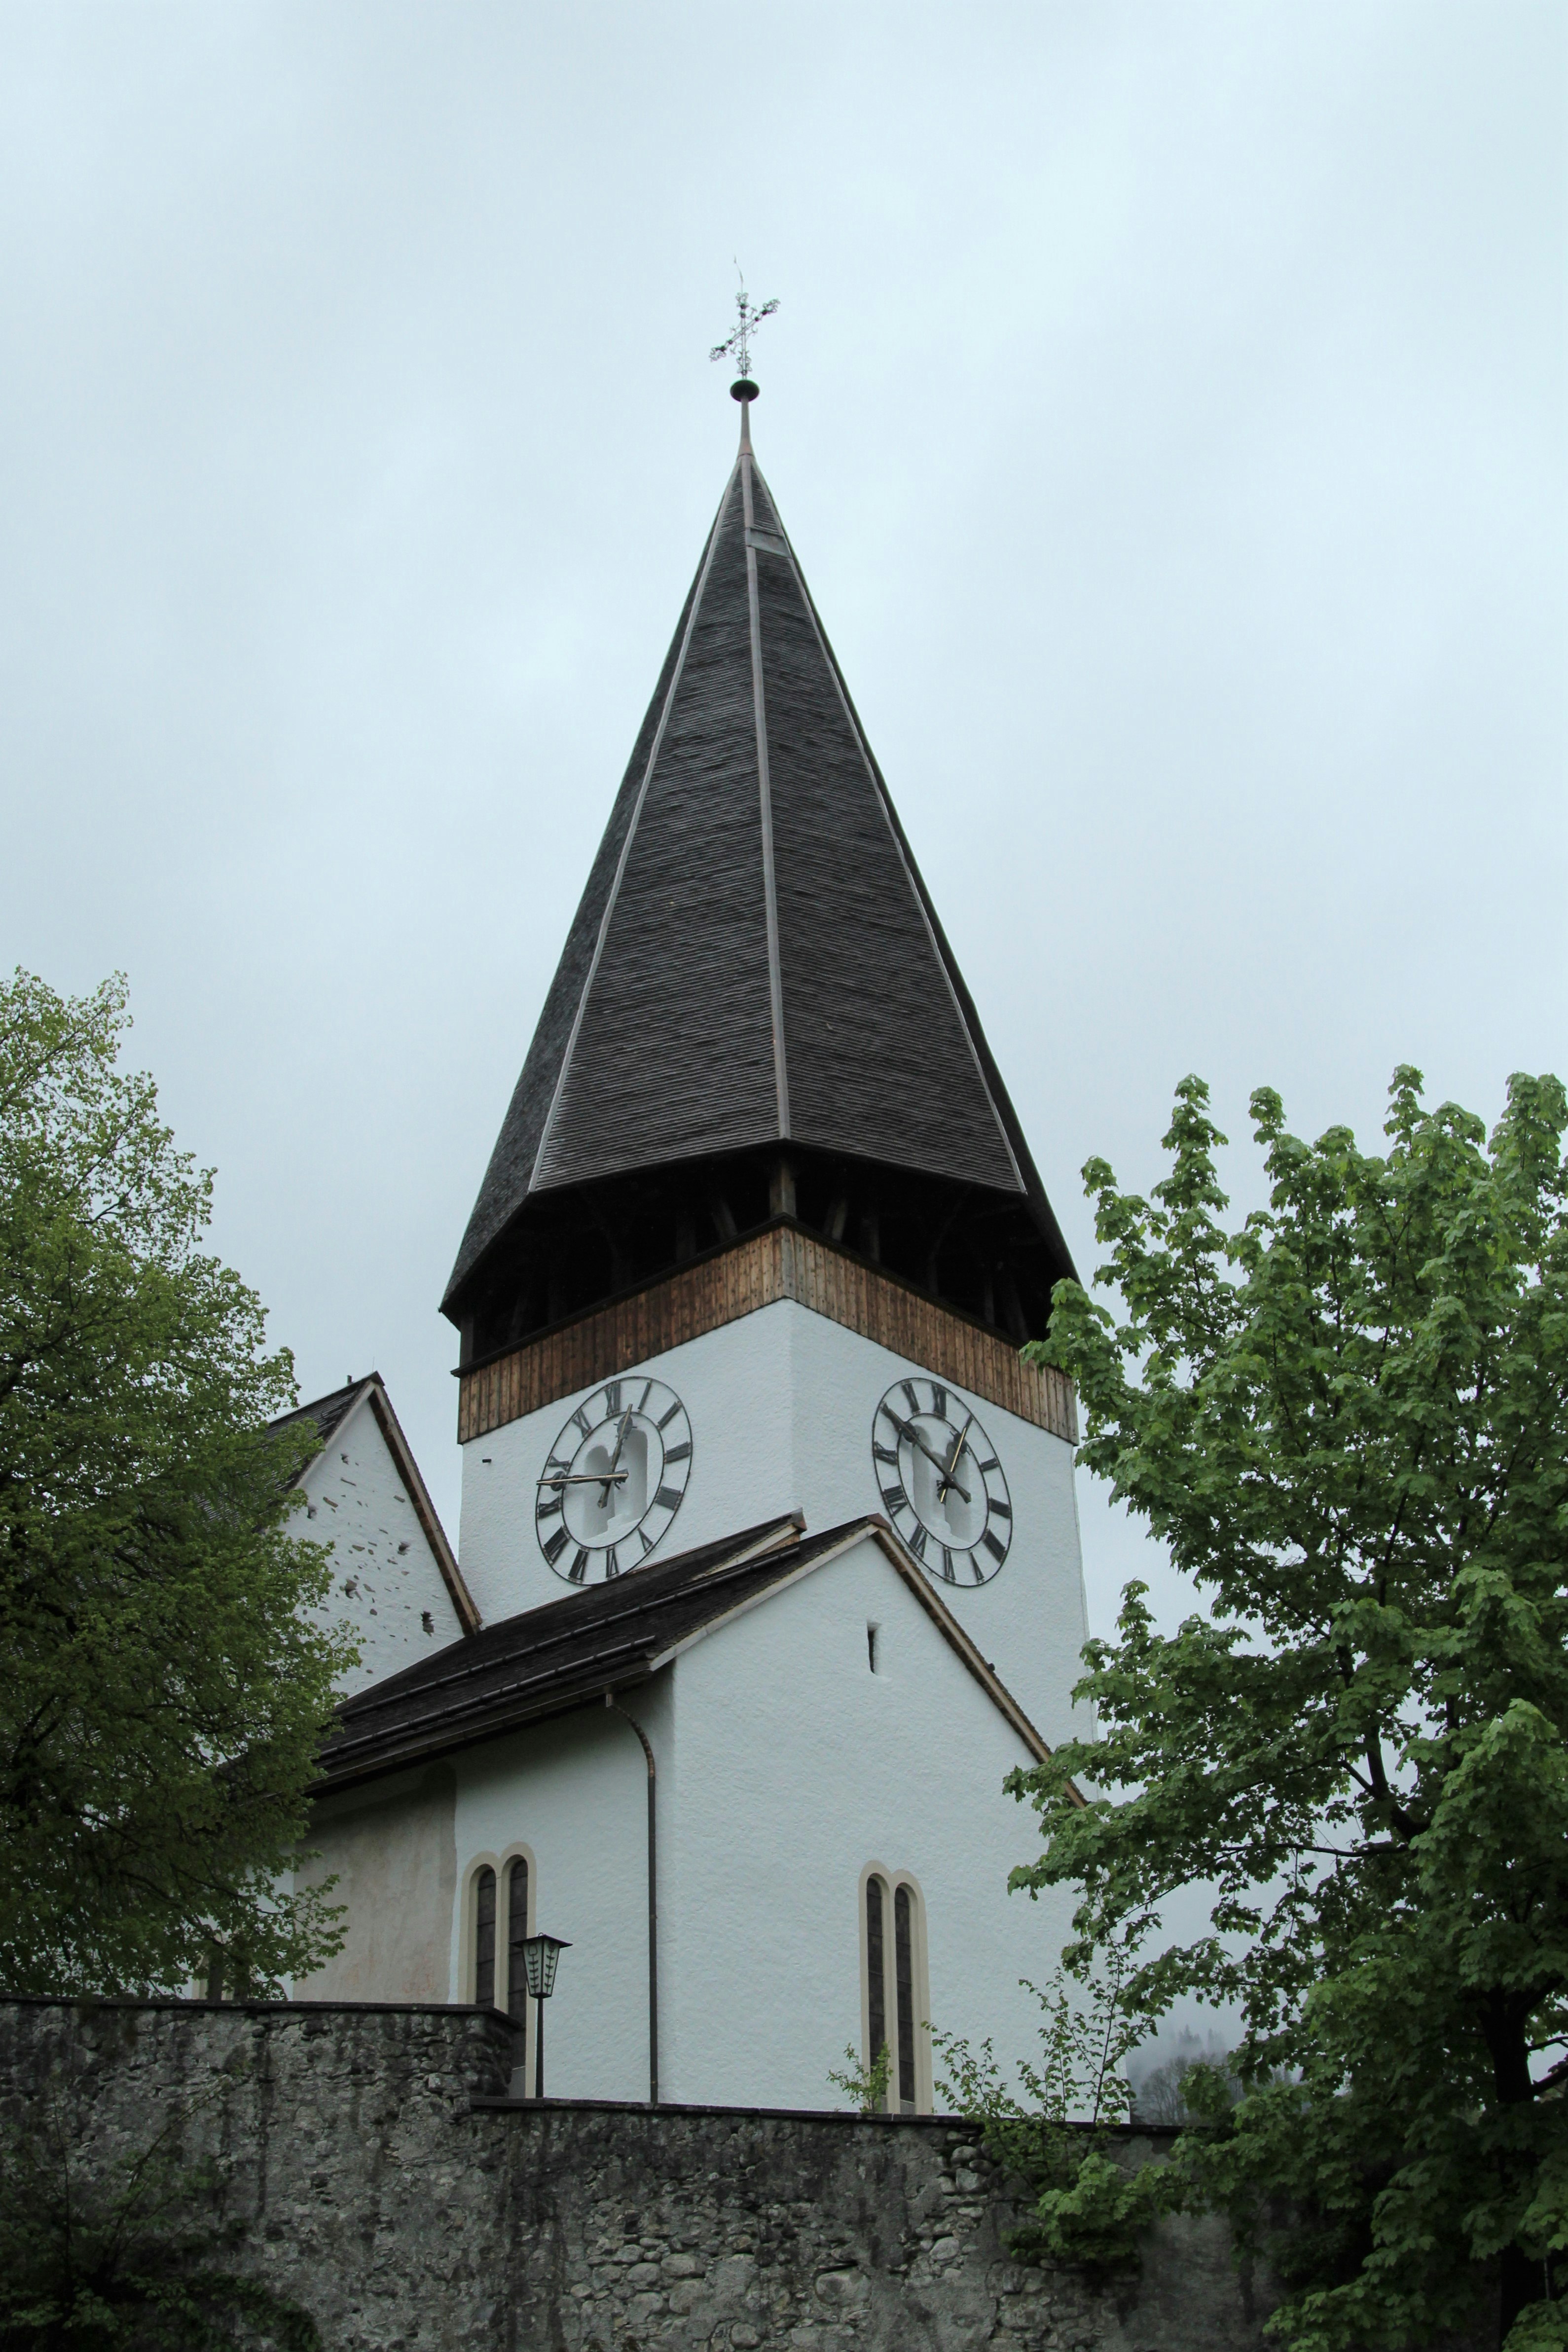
(756, 959)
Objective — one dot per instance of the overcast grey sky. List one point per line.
(1167, 404)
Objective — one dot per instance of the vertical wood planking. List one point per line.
(783, 1263)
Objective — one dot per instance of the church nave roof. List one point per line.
(567, 1653)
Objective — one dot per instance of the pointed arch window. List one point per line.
(516, 1936)
(894, 1995)
(497, 1918)
(485, 1938)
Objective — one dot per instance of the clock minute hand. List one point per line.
(585, 1478)
(907, 1429)
(620, 1440)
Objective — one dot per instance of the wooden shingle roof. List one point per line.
(755, 957)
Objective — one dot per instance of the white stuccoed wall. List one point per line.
(785, 1766)
(793, 1767)
(575, 1792)
(386, 1577)
(781, 1405)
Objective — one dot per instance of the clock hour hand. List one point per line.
(947, 1477)
(908, 1430)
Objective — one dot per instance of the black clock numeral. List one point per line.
(947, 1567)
(917, 1542)
(1002, 1510)
(670, 1496)
(642, 1406)
(991, 1464)
(612, 1565)
(896, 1499)
(909, 1389)
(579, 1567)
(678, 1454)
(582, 1420)
(997, 1550)
(612, 1397)
(664, 1419)
(888, 1454)
(645, 1539)
(939, 1399)
(976, 1569)
(556, 1546)
(553, 1508)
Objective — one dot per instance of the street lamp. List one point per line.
(540, 1954)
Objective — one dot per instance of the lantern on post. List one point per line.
(540, 1954)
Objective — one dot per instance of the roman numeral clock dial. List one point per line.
(941, 1482)
(613, 1480)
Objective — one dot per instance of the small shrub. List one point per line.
(1089, 2214)
(866, 2086)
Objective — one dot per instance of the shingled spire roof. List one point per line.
(755, 957)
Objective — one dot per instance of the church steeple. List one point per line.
(756, 1013)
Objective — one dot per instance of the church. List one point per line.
(769, 1558)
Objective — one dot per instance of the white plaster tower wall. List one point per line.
(781, 1405)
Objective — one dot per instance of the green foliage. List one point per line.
(1089, 2214)
(163, 1693)
(127, 2262)
(1348, 1419)
(866, 2086)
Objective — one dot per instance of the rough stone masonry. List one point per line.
(384, 2180)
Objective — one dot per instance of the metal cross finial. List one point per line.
(748, 319)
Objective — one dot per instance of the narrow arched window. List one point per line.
(516, 1936)
(485, 1939)
(895, 1995)
(904, 1982)
(876, 1968)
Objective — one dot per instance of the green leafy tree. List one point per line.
(163, 1691)
(1348, 1419)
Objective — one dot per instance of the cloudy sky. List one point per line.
(1166, 402)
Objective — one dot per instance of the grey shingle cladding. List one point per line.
(657, 1042)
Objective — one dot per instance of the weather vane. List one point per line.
(737, 345)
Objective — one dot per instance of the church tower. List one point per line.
(761, 1232)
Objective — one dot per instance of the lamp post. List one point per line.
(540, 1954)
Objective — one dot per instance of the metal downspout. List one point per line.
(612, 1702)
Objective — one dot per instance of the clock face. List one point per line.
(613, 1480)
(942, 1481)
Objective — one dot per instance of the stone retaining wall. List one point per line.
(387, 2182)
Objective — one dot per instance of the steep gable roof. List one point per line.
(567, 1653)
(330, 1414)
(755, 957)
